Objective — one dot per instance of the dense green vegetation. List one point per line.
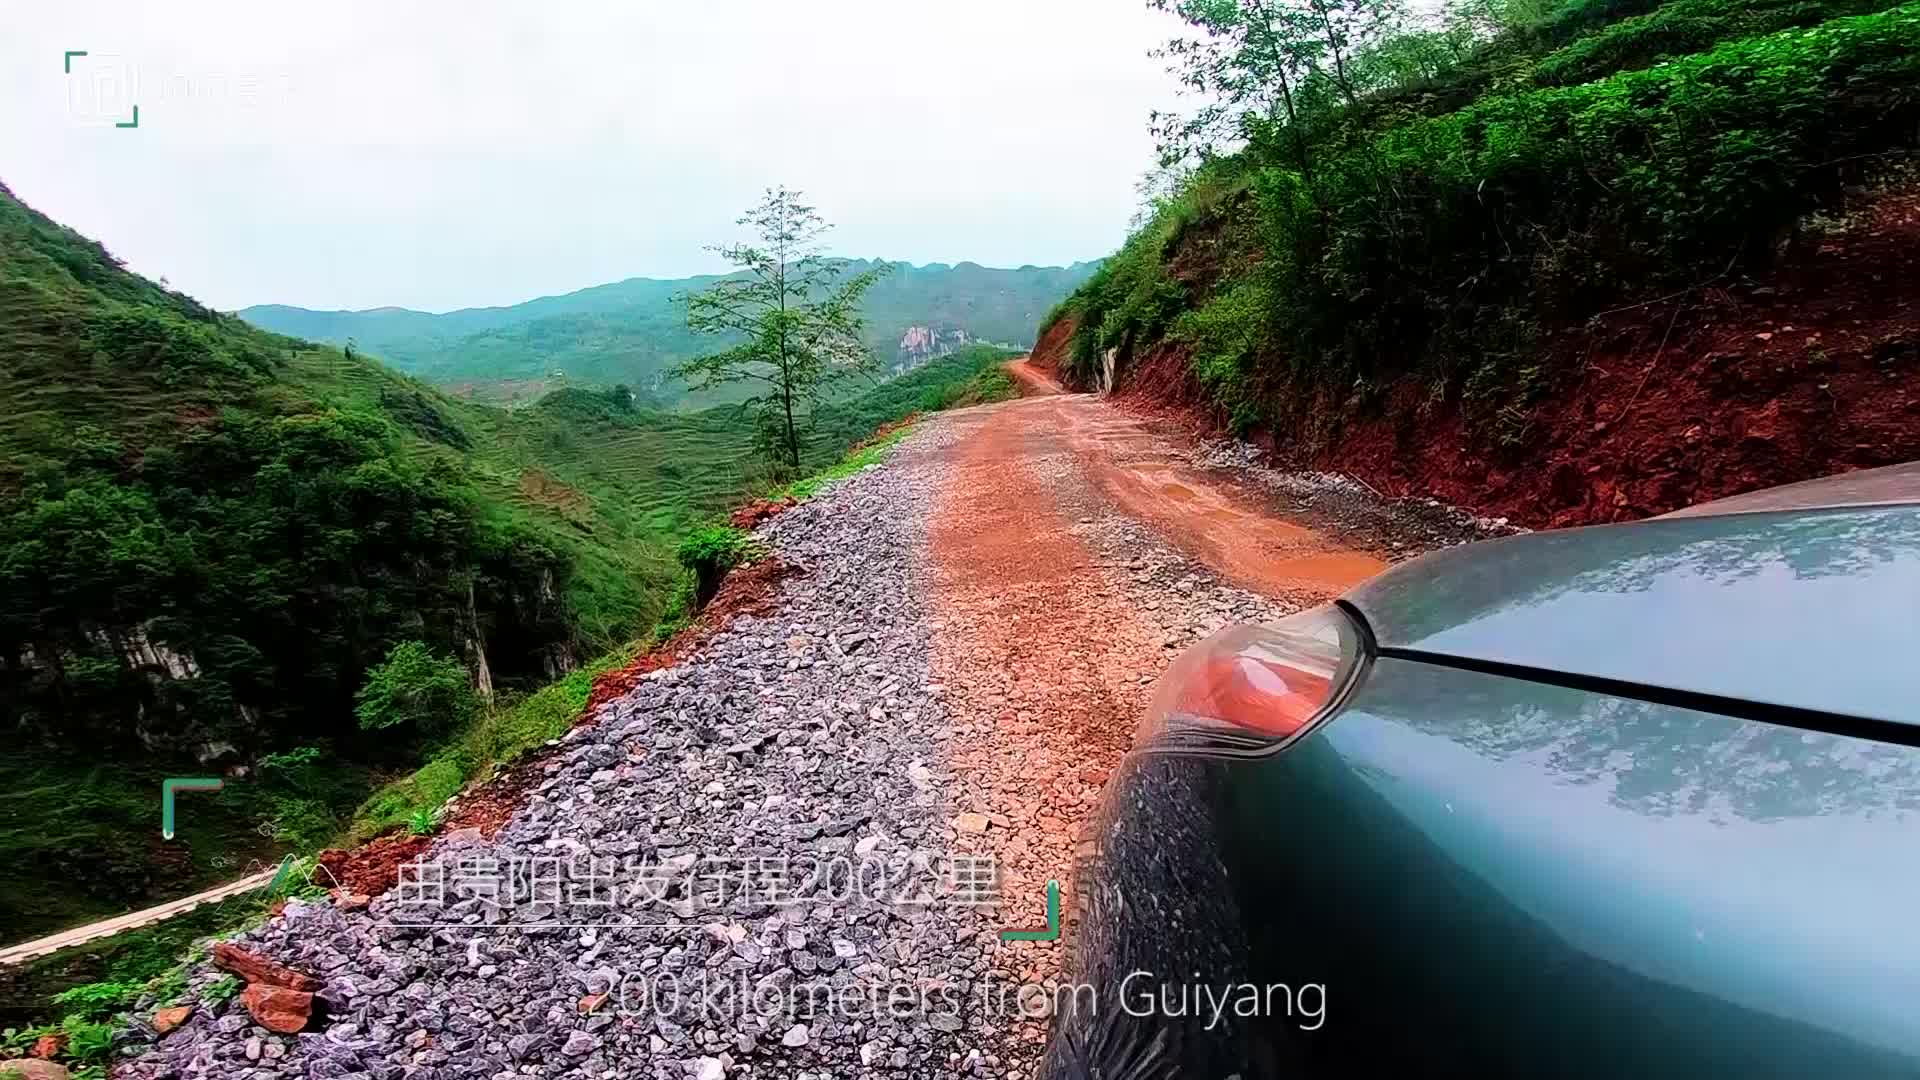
(1436, 219)
(634, 332)
(416, 690)
(210, 535)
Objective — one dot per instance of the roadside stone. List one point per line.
(277, 1008)
(255, 968)
(165, 1020)
(33, 1069)
(580, 1044)
(732, 751)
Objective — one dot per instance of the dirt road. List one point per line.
(1074, 550)
(1033, 381)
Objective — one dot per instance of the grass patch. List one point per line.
(871, 454)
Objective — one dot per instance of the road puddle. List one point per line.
(1343, 569)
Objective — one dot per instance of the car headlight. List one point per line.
(1252, 689)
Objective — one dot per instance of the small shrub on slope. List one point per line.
(711, 551)
(418, 689)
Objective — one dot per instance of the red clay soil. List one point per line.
(1161, 384)
(885, 430)
(489, 806)
(1233, 531)
(748, 589)
(1051, 354)
(1816, 372)
(1730, 387)
(750, 514)
(373, 867)
(1038, 650)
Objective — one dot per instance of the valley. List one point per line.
(214, 532)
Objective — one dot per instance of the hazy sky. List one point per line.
(435, 155)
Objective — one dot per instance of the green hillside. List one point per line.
(209, 533)
(631, 332)
(1427, 210)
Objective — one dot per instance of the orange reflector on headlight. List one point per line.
(1252, 687)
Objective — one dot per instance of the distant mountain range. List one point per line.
(634, 331)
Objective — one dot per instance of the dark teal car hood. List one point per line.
(1807, 609)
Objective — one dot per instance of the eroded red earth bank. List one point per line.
(1729, 387)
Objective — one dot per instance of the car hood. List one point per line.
(1808, 609)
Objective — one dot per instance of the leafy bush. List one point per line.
(303, 824)
(97, 1000)
(418, 689)
(991, 385)
(1226, 336)
(679, 611)
(14, 1042)
(221, 990)
(177, 350)
(499, 736)
(1132, 300)
(1682, 27)
(302, 769)
(416, 410)
(87, 1041)
(168, 986)
(710, 551)
(1553, 199)
(255, 563)
(431, 785)
(423, 821)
